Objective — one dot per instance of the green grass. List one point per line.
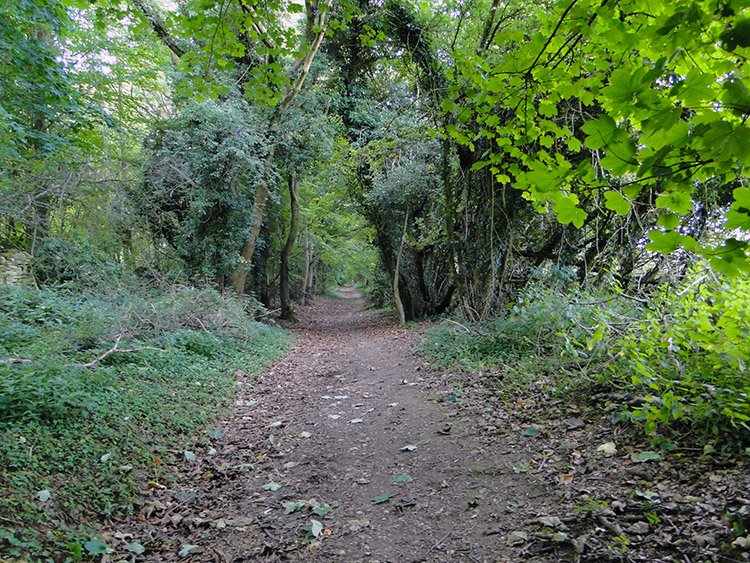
(77, 443)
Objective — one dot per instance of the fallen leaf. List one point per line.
(304, 434)
(355, 421)
(645, 456)
(742, 542)
(517, 538)
(186, 549)
(566, 478)
(551, 522)
(639, 528)
(607, 449)
(96, 547)
(275, 424)
(271, 486)
(334, 416)
(190, 456)
(382, 498)
(44, 495)
(648, 495)
(135, 547)
(105, 458)
(530, 431)
(559, 537)
(355, 526)
(409, 448)
(400, 478)
(574, 423)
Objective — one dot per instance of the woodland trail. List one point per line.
(345, 414)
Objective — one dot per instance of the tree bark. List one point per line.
(306, 269)
(396, 292)
(286, 302)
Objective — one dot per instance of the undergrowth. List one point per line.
(680, 354)
(96, 389)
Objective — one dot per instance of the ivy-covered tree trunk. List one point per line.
(286, 252)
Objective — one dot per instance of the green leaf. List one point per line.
(530, 431)
(448, 105)
(322, 510)
(598, 131)
(96, 547)
(617, 203)
(643, 457)
(190, 456)
(574, 145)
(290, 507)
(679, 202)
(316, 527)
(669, 221)
(696, 87)
(382, 498)
(569, 212)
(271, 486)
(400, 478)
(216, 433)
(44, 495)
(186, 549)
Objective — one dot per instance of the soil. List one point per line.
(352, 448)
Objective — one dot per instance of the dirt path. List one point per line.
(351, 416)
(349, 411)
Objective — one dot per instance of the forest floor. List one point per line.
(352, 448)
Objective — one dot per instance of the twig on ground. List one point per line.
(434, 547)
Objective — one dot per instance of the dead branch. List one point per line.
(111, 351)
(15, 361)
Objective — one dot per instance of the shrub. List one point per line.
(689, 356)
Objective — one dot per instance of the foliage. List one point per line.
(689, 357)
(683, 353)
(197, 190)
(657, 91)
(89, 435)
(546, 324)
(57, 262)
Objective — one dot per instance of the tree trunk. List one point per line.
(286, 302)
(306, 269)
(396, 293)
(239, 276)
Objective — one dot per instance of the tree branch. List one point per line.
(150, 13)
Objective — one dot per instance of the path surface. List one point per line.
(351, 410)
(348, 411)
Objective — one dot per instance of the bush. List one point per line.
(57, 262)
(690, 356)
(683, 352)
